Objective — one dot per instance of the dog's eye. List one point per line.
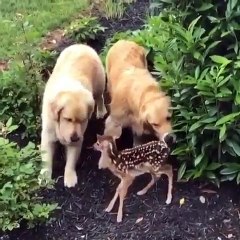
(154, 124)
(168, 118)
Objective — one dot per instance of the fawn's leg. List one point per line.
(101, 109)
(114, 199)
(150, 184)
(169, 174)
(126, 182)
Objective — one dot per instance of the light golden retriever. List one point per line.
(136, 99)
(77, 82)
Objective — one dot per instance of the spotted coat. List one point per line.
(154, 154)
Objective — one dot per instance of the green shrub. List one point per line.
(204, 85)
(19, 170)
(84, 29)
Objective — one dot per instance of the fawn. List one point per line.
(130, 163)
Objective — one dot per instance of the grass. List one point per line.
(36, 17)
(115, 8)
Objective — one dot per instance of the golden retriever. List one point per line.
(77, 82)
(136, 99)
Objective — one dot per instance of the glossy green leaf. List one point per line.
(222, 133)
(234, 145)
(228, 118)
(195, 126)
(213, 166)
(238, 178)
(228, 171)
(198, 159)
(204, 7)
(182, 170)
(220, 59)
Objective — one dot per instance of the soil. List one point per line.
(205, 212)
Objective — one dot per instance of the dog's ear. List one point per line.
(56, 107)
(144, 113)
(144, 56)
(90, 108)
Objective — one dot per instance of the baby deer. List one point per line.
(130, 163)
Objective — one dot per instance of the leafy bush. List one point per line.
(21, 89)
(84, 29)
(199, 68)
(19, 170)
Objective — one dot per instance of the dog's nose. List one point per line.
(170, 138)
(74, 138)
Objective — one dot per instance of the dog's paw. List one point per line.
(101, 114)
(70, 179)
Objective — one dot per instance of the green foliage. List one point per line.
(113, 9)
(197, 63)
(19, 170)
(84, 29)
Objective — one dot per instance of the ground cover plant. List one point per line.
(19, 170)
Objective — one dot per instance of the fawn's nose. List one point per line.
(169, 138)
(74, 137)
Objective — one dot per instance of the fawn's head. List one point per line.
(105, 143)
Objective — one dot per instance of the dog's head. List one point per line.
(71, 112)
(156, 114)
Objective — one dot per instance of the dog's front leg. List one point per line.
(47, 153)
(137, 140)
(112, 127)
(72, 155)
(101, 109)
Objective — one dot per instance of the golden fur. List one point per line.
(136, 99)
(77, 82)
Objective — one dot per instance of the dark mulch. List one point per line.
(82, 213)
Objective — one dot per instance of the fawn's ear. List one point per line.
(98, 136)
